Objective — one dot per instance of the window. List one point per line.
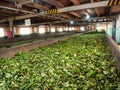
(25, 31)
(2, 34)
(66, 29)
(52, 29)
(70, 29)
(82, 28)
(73, 28)
(60, 29)
(42, 30)
(99, 28)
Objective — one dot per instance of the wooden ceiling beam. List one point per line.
(76, 2)
(3, 16)
(54, 3)
(58, 5)
(96, 9)
(65, 16)
(61, 10)
(84, 6)
(86, 12)
(13, 8)
(10, 12)
(110, 10)
(32, 5)
(75, 14)
(20, 17)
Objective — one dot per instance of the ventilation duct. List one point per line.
(36, 1)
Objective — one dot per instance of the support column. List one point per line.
(57, 29)
(11, 25)
(117, 31)
(94, 27)
(114, 30)
(35, 30)
(49, 28)
(10, 33)
(86, 27)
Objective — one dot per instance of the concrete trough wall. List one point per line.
(115, 51)
(32, 37)
(9, 52)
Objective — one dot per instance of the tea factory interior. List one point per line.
(44, 28)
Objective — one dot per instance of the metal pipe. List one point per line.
(14, 9)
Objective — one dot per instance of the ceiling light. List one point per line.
(105, 19)
(87, 16)
(71, 22)
(42, 30)
(94, 20)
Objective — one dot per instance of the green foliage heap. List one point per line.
(81, 63)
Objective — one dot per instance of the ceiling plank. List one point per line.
(65, 16)
(11, 7)
(75, 14)
(96, 9)
(59, 5)
(54, 3)
(76, 2)
(30, 5)
(110, 10)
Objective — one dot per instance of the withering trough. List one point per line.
(115, 51)
(9, 52)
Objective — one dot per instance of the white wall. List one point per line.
(101, 26)
(117, 38)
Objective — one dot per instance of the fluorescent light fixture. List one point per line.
(87, 16)
(94, 20)
(2, 34)
(82, 28)
(71, 22)
(52, 30)
(105, 19)
(99, 28)
(42, 30)
(100, 20)
(25, 31)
